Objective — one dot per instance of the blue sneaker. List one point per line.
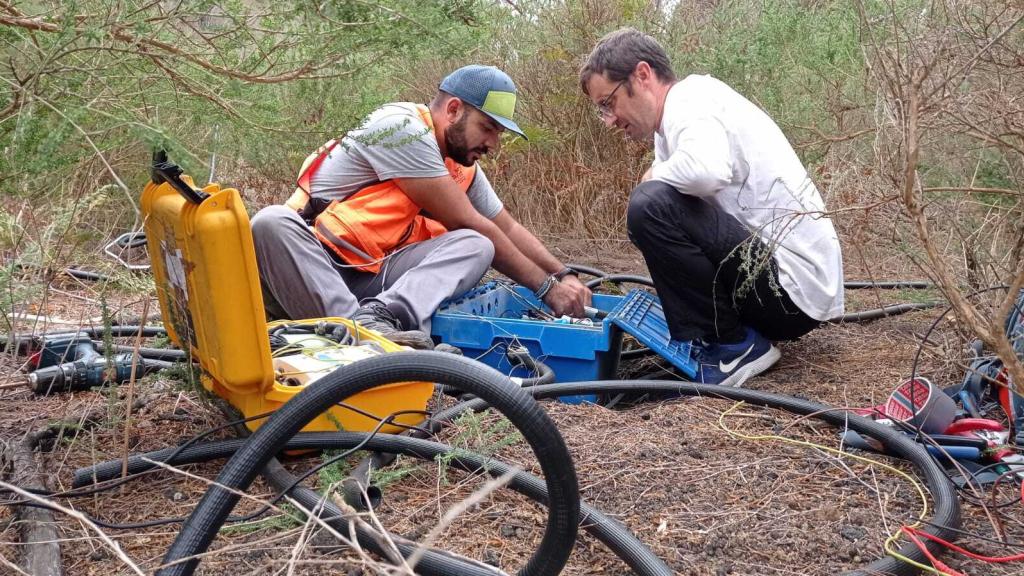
(734, 364)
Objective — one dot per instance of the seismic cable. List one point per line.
(618, 539)
(432, 561)
(517, 356)
(602, 276)
(883, 312)
(169, 354)
(23, 343)
(862, 316)
(945, 522)
(115, 331)
(522, 411)
(946, 518)
(888, 284)
(620, 279)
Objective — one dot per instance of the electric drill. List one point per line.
(85, 373)
(55, 349)
(71, 361)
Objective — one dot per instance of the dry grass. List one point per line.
(704, 501)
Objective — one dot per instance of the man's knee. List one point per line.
(649, 205)
(474, 245)
(274, 223)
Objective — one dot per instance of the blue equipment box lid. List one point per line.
(641, 315)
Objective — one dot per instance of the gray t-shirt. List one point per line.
(394, 142)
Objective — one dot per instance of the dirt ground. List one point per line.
(702, 498)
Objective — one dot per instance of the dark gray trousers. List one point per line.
(302, 279)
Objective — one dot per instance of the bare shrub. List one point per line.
(951, 145)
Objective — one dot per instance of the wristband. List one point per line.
(545, 287)
(561, 274)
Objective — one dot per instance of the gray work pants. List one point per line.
(301, 279)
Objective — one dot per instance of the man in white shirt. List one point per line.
(733, 231)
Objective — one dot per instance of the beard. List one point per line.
(455, 142)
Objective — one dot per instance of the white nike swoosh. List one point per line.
(726, 368)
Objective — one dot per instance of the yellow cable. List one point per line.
(889, 550)
(806, 444)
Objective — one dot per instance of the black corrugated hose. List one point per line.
(863, 316)
(888, 284)
(517, 356)
(946, 518)
(601, 275)
(513, 402)
(890, 310)
(117, 331)
(169, 354)
(944, 522)
(618, 539)
(432, 562)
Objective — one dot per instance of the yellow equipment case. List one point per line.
(204, 265)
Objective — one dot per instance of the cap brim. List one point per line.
(506, 123)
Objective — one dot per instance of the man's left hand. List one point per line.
(581, 295)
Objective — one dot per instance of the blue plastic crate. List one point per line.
(640, 314)
(488, 319)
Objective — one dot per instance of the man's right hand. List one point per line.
(565, 299)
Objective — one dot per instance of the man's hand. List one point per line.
(568, 297)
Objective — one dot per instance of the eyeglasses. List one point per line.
(604, 107)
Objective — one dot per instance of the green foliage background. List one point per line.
(88, 88)
(84, 81)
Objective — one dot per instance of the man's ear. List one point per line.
(643, 72)
(453, 110)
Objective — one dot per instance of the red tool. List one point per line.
(996, 435)
(972, 424)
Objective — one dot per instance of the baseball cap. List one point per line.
(487, 89)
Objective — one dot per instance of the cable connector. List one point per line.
(561, 274)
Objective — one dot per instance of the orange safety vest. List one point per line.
(377, 220)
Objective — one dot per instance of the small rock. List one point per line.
(491, 557)
(852, 533)
(174, 495)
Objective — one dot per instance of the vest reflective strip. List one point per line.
(334, 239)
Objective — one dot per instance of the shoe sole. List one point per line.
(748, 371)
(415, 339)
(412, 338)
